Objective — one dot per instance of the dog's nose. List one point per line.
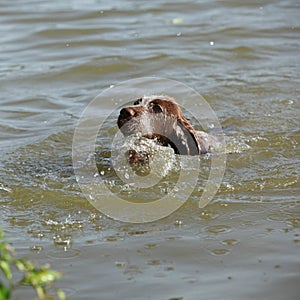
(127, 112)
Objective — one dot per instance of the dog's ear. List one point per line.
(185, 139)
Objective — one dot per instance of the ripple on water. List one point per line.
(64, 253)
(230, 242)
(220, 251)
(219, 229)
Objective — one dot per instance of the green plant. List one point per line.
(38, 277)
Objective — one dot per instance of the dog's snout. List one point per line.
(127, 112)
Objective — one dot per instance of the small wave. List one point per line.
(236, 145)
(158, 160)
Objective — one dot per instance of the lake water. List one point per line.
(242, 57)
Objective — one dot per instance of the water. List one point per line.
(243, 57)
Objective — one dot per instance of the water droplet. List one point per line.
(36, 248)
(120, 264)
(178, 222)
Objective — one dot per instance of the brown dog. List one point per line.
(160, 118)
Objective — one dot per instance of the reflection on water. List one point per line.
(242, 56)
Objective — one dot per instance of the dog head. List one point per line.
(160, 118)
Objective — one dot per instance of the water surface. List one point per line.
(243, 57)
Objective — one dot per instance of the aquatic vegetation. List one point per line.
(38, 277)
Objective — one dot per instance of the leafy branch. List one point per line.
(38, 277)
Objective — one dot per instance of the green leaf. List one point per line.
(23, 265)
(41, 277)
(4, 292)
(61, 295)
(47, 277)
(41, 292)
(4, 266)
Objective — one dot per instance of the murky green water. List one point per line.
(243, 57)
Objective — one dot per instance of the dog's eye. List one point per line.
(156, 108)
(137, 102)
